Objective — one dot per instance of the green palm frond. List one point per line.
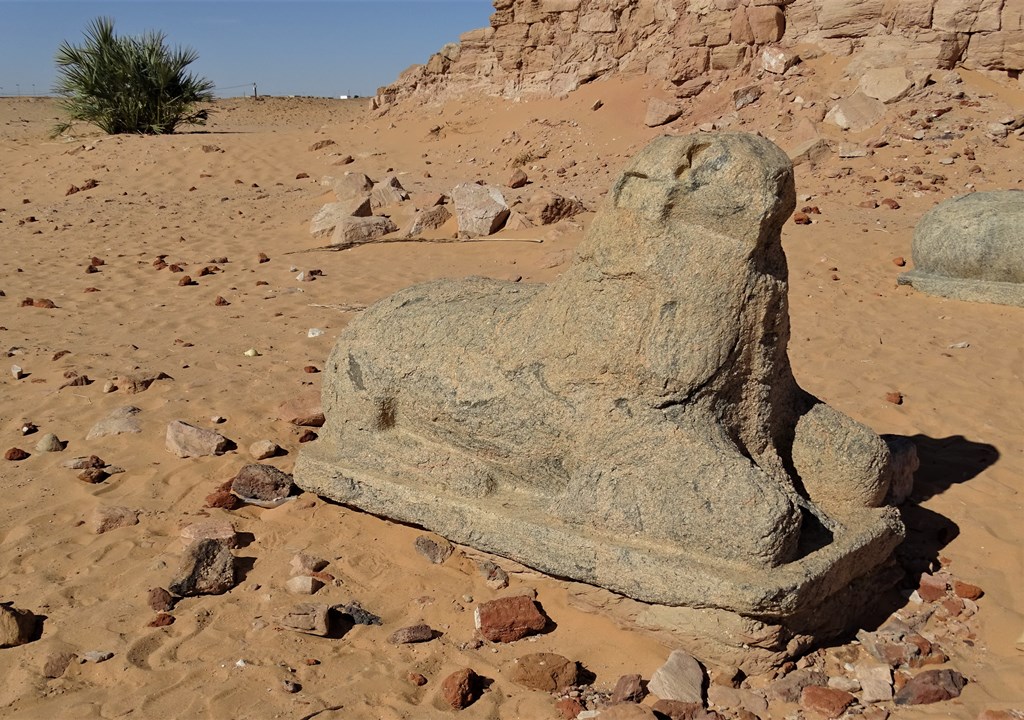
(129, 84)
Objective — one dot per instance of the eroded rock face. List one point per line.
(970, 248)
(635, 424)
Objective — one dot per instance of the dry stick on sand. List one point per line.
(338, 248)
(341, 307)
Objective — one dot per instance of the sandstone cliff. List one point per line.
(550, 47)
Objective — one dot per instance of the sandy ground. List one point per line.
(856, 337)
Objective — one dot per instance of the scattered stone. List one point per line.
(81, 463)
(303, 564)
(461, 688)
(660, 112)
(160, 600)
(15, 454)
(890, 203)
(49, 443)
(888, 85)
(825, 701)
(931, 686)
(105, 518)
(186, 280)
(856, 113)
(412, 634)
(207, 568)
(321, 144)
(676, 710)
(629, 688)
(93, 475)
(932, 587)
(16, 626)
(748, 95)
(17, 372)
(628, 711)
(519, 179)
(790, 687)
(28, 428)
(133, 383)
(480, 209)
(263, 449)
(95, 656)
(120, 421)
(434, 548)
(304, 584)
(388, 191)
(569, 708)
(495, 577)
(896, 398)
(185, 440)
(680, 678)
(210, 529)
(290, 686)
(262, 482)
(304, 411)
(57, 663)
(431, 218)
(777, 60)
(311, 619)
(801, 218)
(262, 258)
(509, 619)
(416, 679)
(730, 697)
(252, 352)
(360, 616)
(161, 620)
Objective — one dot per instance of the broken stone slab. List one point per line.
(970, 248)
(660, 112)
(210, 529)
(351, 231)
(433, 548)
(309, 618)
(119, 422)
(887, 85)
(545, 207)
(546, 672)
(331, 215)
(304, 411)
(136, 382)
(810, 151)
(185, 440)
(856, 113)
(778, 60)
(105, 518)
(748, 95)
(207, 568)
(647, 501)
(388, 191)
(480, 209)
(508, 619)
(261, 482)
(681, 678)
(931, 686)
(431, 218)
(16, 626)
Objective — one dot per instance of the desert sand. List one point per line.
(234, 189)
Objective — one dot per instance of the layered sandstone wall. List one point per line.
(550, 47)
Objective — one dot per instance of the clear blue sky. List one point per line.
(288, 47)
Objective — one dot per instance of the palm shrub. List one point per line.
(129, 84)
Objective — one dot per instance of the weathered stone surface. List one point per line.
(508, 619)
(931, 686)
(660, 112)
(49, 443)
(16, 626)
(812, 151)
(303, 584)
(545, 207)
(461, 688)
(670, 330)
(430, 219)
(857, 113)
(331, 215)
(680, 678)
(57, 663)
(263, 449)
(971, 248)
(790, 687)
(849, 18)
(825, 701)
(433, 548)
(886, 84)
(105, 518)
(210, 529)
(304, 411)
(628, 688)
(778, 60)
(185, 440)
(547, 672)
(118, 422)
(351, 230)
(262, 482)
(903, 463)
(411, 634)
(628, 711)
(875, 682)
(676, 710)
(480, 209)
(308, 618)
(207, 568)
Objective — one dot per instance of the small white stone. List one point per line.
(252, 352)
(17, 372)
(304, 585)
(314, 332)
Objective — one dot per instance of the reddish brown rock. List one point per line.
(890, 203)
(569, 708)
(44, 303)
(931, 686)
(899, 261)
(307, 436)
(801, 218)
(93, 475)
(220, 302)
(416, 679)
(628, 711)
(896, 398)
(263, 258)
(262, 482)
(931, 588)
(518, 179)
(629, 688)
(509, 619)
(311, 369)
(966, 590)
(304, 411)
(57, 663)
(825, 701)
(17, 627)
(15, 454)
(461, 688)
(546, 672)
(105, 518)
(161, 620)
(790, 688)
(160, 600)
(223, 498)
(186, 280)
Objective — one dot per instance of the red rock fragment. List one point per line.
(569, 708)
(186, 280)
(311, 369)
(220, 302)
(811, 210)
(896, 398)
(263, 258)
(15, 454)
(91, 290)
(160, 600)
(93, 475)
(161, 620)
(416, 679)
(307, 436)
(301, 176)
(97, 262)
(89, 269)
(59, 354)
(509, 619)
(801, 218)
(868, 204)
(461, 688)
(175, 268)
(899, 261)
(44, 303)
(966, 590)
(679, 710)
(931, 686)
(222, 498)
(261, 282)
(890, 203)
(931, 588)
(824, 701)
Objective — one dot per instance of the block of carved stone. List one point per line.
(635, 424)
(971, 248)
